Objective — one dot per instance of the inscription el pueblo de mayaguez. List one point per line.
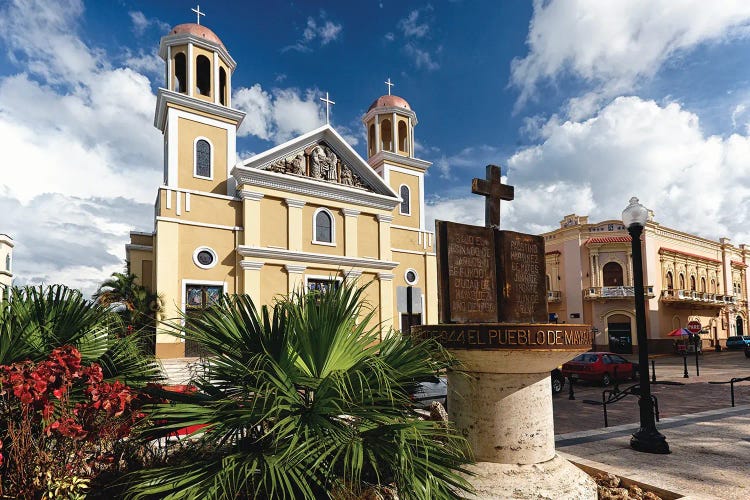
(508, 336)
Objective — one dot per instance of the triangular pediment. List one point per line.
(321, 156)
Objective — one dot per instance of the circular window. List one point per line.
(411, 277)
(204, 257)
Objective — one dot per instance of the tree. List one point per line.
(301, 402)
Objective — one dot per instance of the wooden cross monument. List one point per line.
(494, 190)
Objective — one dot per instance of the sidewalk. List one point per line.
(709, 459)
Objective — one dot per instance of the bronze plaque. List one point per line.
(492, 336)
(467, 281)
(521, 274)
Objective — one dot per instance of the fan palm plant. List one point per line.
(303, 401)
(36, 320)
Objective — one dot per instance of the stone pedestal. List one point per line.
(501, 401)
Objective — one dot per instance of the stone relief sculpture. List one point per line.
(324, 164)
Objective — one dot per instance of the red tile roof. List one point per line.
(608, 239)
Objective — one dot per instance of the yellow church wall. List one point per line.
(167, 284)
(273, 223)
(371, 296)
(308, 230)
(136, 260)
(367, 236)
(405, 239)
(220, 241)
(273, 283)
(188, 131)
(412, 181)
(207, 209)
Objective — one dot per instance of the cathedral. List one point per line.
(304, 215)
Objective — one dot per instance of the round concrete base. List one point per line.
(555, 479)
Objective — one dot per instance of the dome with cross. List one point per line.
(196, 30)
(389, 101)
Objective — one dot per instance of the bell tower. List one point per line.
(389, 123)
(194, 110)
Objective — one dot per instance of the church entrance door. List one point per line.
(620, 338)
(198, 298)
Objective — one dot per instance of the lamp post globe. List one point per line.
(646, 438)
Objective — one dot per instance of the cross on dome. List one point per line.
(328, 103)
(494, 190)
(198, 13)
(388, 82)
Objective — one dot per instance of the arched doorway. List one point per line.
(739, 325)
(620, 334)
(612, 274)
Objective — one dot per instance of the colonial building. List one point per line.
(306, 214)
(6, 258)
(590, 280)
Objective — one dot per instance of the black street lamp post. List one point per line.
(647, 438)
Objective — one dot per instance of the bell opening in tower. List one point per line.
(222, 87)
(203, 82)
(180, 73)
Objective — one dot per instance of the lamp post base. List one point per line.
(649, 441)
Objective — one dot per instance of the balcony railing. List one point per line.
(697, 297)
(553, 296)
(615, 292)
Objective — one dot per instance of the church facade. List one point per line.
(590, 280)
(306, 214)
(6, 264)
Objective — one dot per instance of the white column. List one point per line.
(350, 231)
(386, 302)
(384, 240)
(377, 135)
(251, 279)
(190, 70)
(295, 278)
(251, 217)
(294, 224)
(215, 83)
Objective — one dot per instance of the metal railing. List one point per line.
(695, 296)
(615, 292)
(731, 383)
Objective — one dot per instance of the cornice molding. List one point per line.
(251, 265)
(295, 269)
(316, 189)
(249, 195)
(385, 218)
(395, 159)
(350, 212)
(292, 203)
(314, 258)
(389, 111)
(145, 248)
(353, 274)
(165, 97)
(386, 276)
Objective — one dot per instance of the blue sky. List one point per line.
(583, 103)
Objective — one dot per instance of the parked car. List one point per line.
(738, 342)
(435, 389)
(600, 367)
(558, 381)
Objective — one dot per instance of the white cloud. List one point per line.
(322, 29)
(634, 147)
(612, 45)
(411, 27)
(422, 58)
(473, 158)
(141, 23)
(278, 115)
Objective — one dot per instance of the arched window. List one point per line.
(713, 286)
(324, 227)
(402, 137)
(703, 285)
(180, 73)
(203, 81)
(222, 87)
(203, 157)
(371, 139)
(386, 135)
(670, 280)
(612, 274)
(682, 281)
(405, 208)
(692, 283)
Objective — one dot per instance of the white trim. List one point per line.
(195, 158)
(416, 229)
(178, 203)
(168, 201)
(384, 110)
(183, 38)
(413, 252)
(315, 240)
(205, 249)
(387, 218)
(420, 179)
(144, 248)
(393, 158)
(385, 276)
(314, 258)
(168, 68)
(166, 96)
(187, 202)
(406, 273)
(172, 164)
(190, 70)
(250, 195)
(350, 212)
(250, 265)
(292, 203)
(199, 224)
(352, 273)
(295, 269)
(215, 86)
(400, 205)
(204, 193)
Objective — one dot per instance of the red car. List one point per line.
(600, 367)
